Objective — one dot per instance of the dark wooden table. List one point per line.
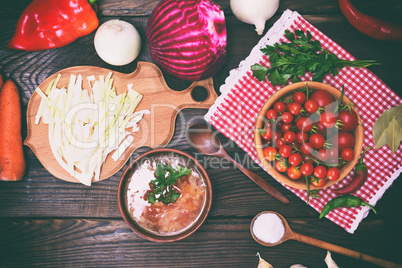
(45, 221)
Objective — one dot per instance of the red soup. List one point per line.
(160, 218)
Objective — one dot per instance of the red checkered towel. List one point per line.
(235, 112)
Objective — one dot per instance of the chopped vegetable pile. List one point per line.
(86, 125)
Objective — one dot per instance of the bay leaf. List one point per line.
(387, 129)
(394, 135)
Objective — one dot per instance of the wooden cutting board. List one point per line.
(156, 129)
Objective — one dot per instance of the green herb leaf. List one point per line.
(183, 171)
(151, 198)
(260, 72)
(291, 60)
(160, 169)
(387, 129)
(162, 186)
(174, 196)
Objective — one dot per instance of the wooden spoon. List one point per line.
(289, 234)
(204, 140)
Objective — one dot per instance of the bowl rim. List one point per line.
(140, 230)
(358, 134)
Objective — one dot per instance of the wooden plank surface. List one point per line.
(218, 243)
(48, 222)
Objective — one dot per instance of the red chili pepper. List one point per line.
(368, 25)
(48, 24)
(358, 180)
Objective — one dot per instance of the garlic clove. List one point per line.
(329, 261)
(263, 263)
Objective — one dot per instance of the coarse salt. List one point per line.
(268, 227)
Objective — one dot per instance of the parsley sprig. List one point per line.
(301, 55)
(162, 185)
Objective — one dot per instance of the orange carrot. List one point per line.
(12, 161)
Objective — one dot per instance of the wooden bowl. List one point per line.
(190, 162)
(285, 92)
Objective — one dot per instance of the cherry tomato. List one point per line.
(279, 106)
(348, 120)
(307, 169)
(320, 127)
(271, 114)
(280, 165)
(289, 136)
(317, 140)
(328, 119)
(286, 127)
(277, 136)
(348, 154)
(345, 140)
(306, 148)
(320, 172)
(294, 173)
(322, 97)
(304, 124)
(285, 151)
(333, 174)
(268, 123)
(279, 143)
(333, 154)
(299, 97)
(294, 108)
(311, 106)
(317, 182)
(307, 159)
(296, 145)
(268, 134)
(287, 118)
(270, 153)
(301, 137)
(295, 159)
(322, 155)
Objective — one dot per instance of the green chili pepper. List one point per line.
(344, 201)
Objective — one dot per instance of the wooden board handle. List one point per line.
(150, 79)
(344, 251)
(208, 85)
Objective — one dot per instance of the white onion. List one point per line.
(187, 38)
(255, 12)
(117, 42)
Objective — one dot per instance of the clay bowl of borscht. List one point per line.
(300, 142)
(164, 195)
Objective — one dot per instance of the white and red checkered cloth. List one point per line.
(242, 96)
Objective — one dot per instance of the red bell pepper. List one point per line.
(368, 25)
(46, 24)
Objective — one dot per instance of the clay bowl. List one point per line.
(129, 174)
(286, 92)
